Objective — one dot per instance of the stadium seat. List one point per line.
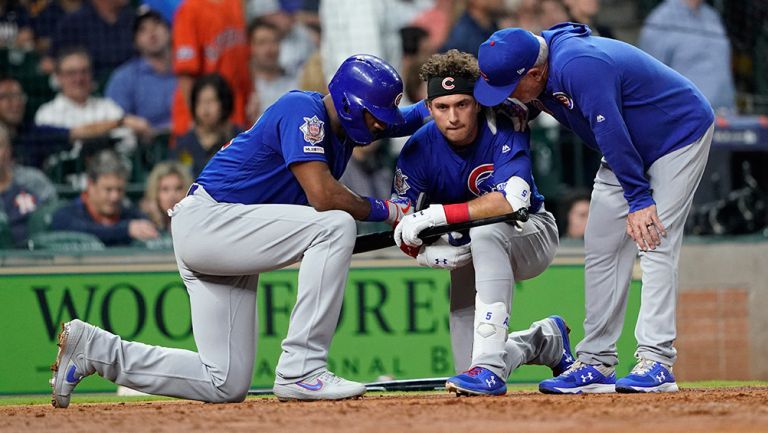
(6, 239)
(65, 241)
(164, 242)
(41, 218)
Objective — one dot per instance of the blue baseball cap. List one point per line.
(504, 59)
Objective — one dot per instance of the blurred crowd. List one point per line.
(105, 103)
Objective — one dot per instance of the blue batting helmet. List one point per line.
(366, 83)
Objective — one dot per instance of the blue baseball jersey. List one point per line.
(253, 168)
(429, 164)
(622, 102)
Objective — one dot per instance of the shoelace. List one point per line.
(473, 371)
(576, 366)
(329, 377)
(643, 366)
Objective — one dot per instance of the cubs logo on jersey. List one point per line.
(313, 130)
(480, 180)
(564, 99)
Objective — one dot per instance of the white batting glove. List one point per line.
(398, 208)
(407, 232)
(443, 254)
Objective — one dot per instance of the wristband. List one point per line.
(379, 210)
(456, 213)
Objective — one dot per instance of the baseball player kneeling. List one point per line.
(267, 199)
(477, 165)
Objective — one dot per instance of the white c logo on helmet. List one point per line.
(448, 83)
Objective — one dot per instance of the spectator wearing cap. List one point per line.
(102, 209)
(22, 190)
(144, 86)
(103, 28)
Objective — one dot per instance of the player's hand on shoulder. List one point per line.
(407, 232)
(450, 251)
(142, 229)
(516, 111)
(398, 208)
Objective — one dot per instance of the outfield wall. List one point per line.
(394, 322)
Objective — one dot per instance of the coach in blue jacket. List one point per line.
(654, 129)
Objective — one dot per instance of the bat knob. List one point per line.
(522, 214)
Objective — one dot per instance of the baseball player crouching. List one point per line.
(477, 165)
(267, 199)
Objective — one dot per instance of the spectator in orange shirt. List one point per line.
(208, 37)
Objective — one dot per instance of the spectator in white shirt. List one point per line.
(74, 106)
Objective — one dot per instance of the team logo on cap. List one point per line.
(448, 83)
(313, 130)
(520, 71)
(480, 180)
(398, 98)
(563, 99)
(400, 184)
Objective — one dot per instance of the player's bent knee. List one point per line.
(341, 225)
(232, 393)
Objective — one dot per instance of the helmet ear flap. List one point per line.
(345, 105)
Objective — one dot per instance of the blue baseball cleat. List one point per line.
(648, 376)
(476, 381)
(567, 360)
(580, 378)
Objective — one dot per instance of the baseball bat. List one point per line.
(377, 241)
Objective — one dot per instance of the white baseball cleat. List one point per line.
(321, 386)
(70, 366)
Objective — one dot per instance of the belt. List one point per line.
(192, 189)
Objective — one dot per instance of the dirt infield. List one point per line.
(690, 411)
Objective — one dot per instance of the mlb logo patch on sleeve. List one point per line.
(401, 186)
(313, 131)
(185, 52)
(314, 149)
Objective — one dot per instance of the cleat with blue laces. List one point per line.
(476, 381)
(648, 376)
(581, 378)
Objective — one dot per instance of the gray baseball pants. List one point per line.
(502, 255)
(610, 256)
(221, 249)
